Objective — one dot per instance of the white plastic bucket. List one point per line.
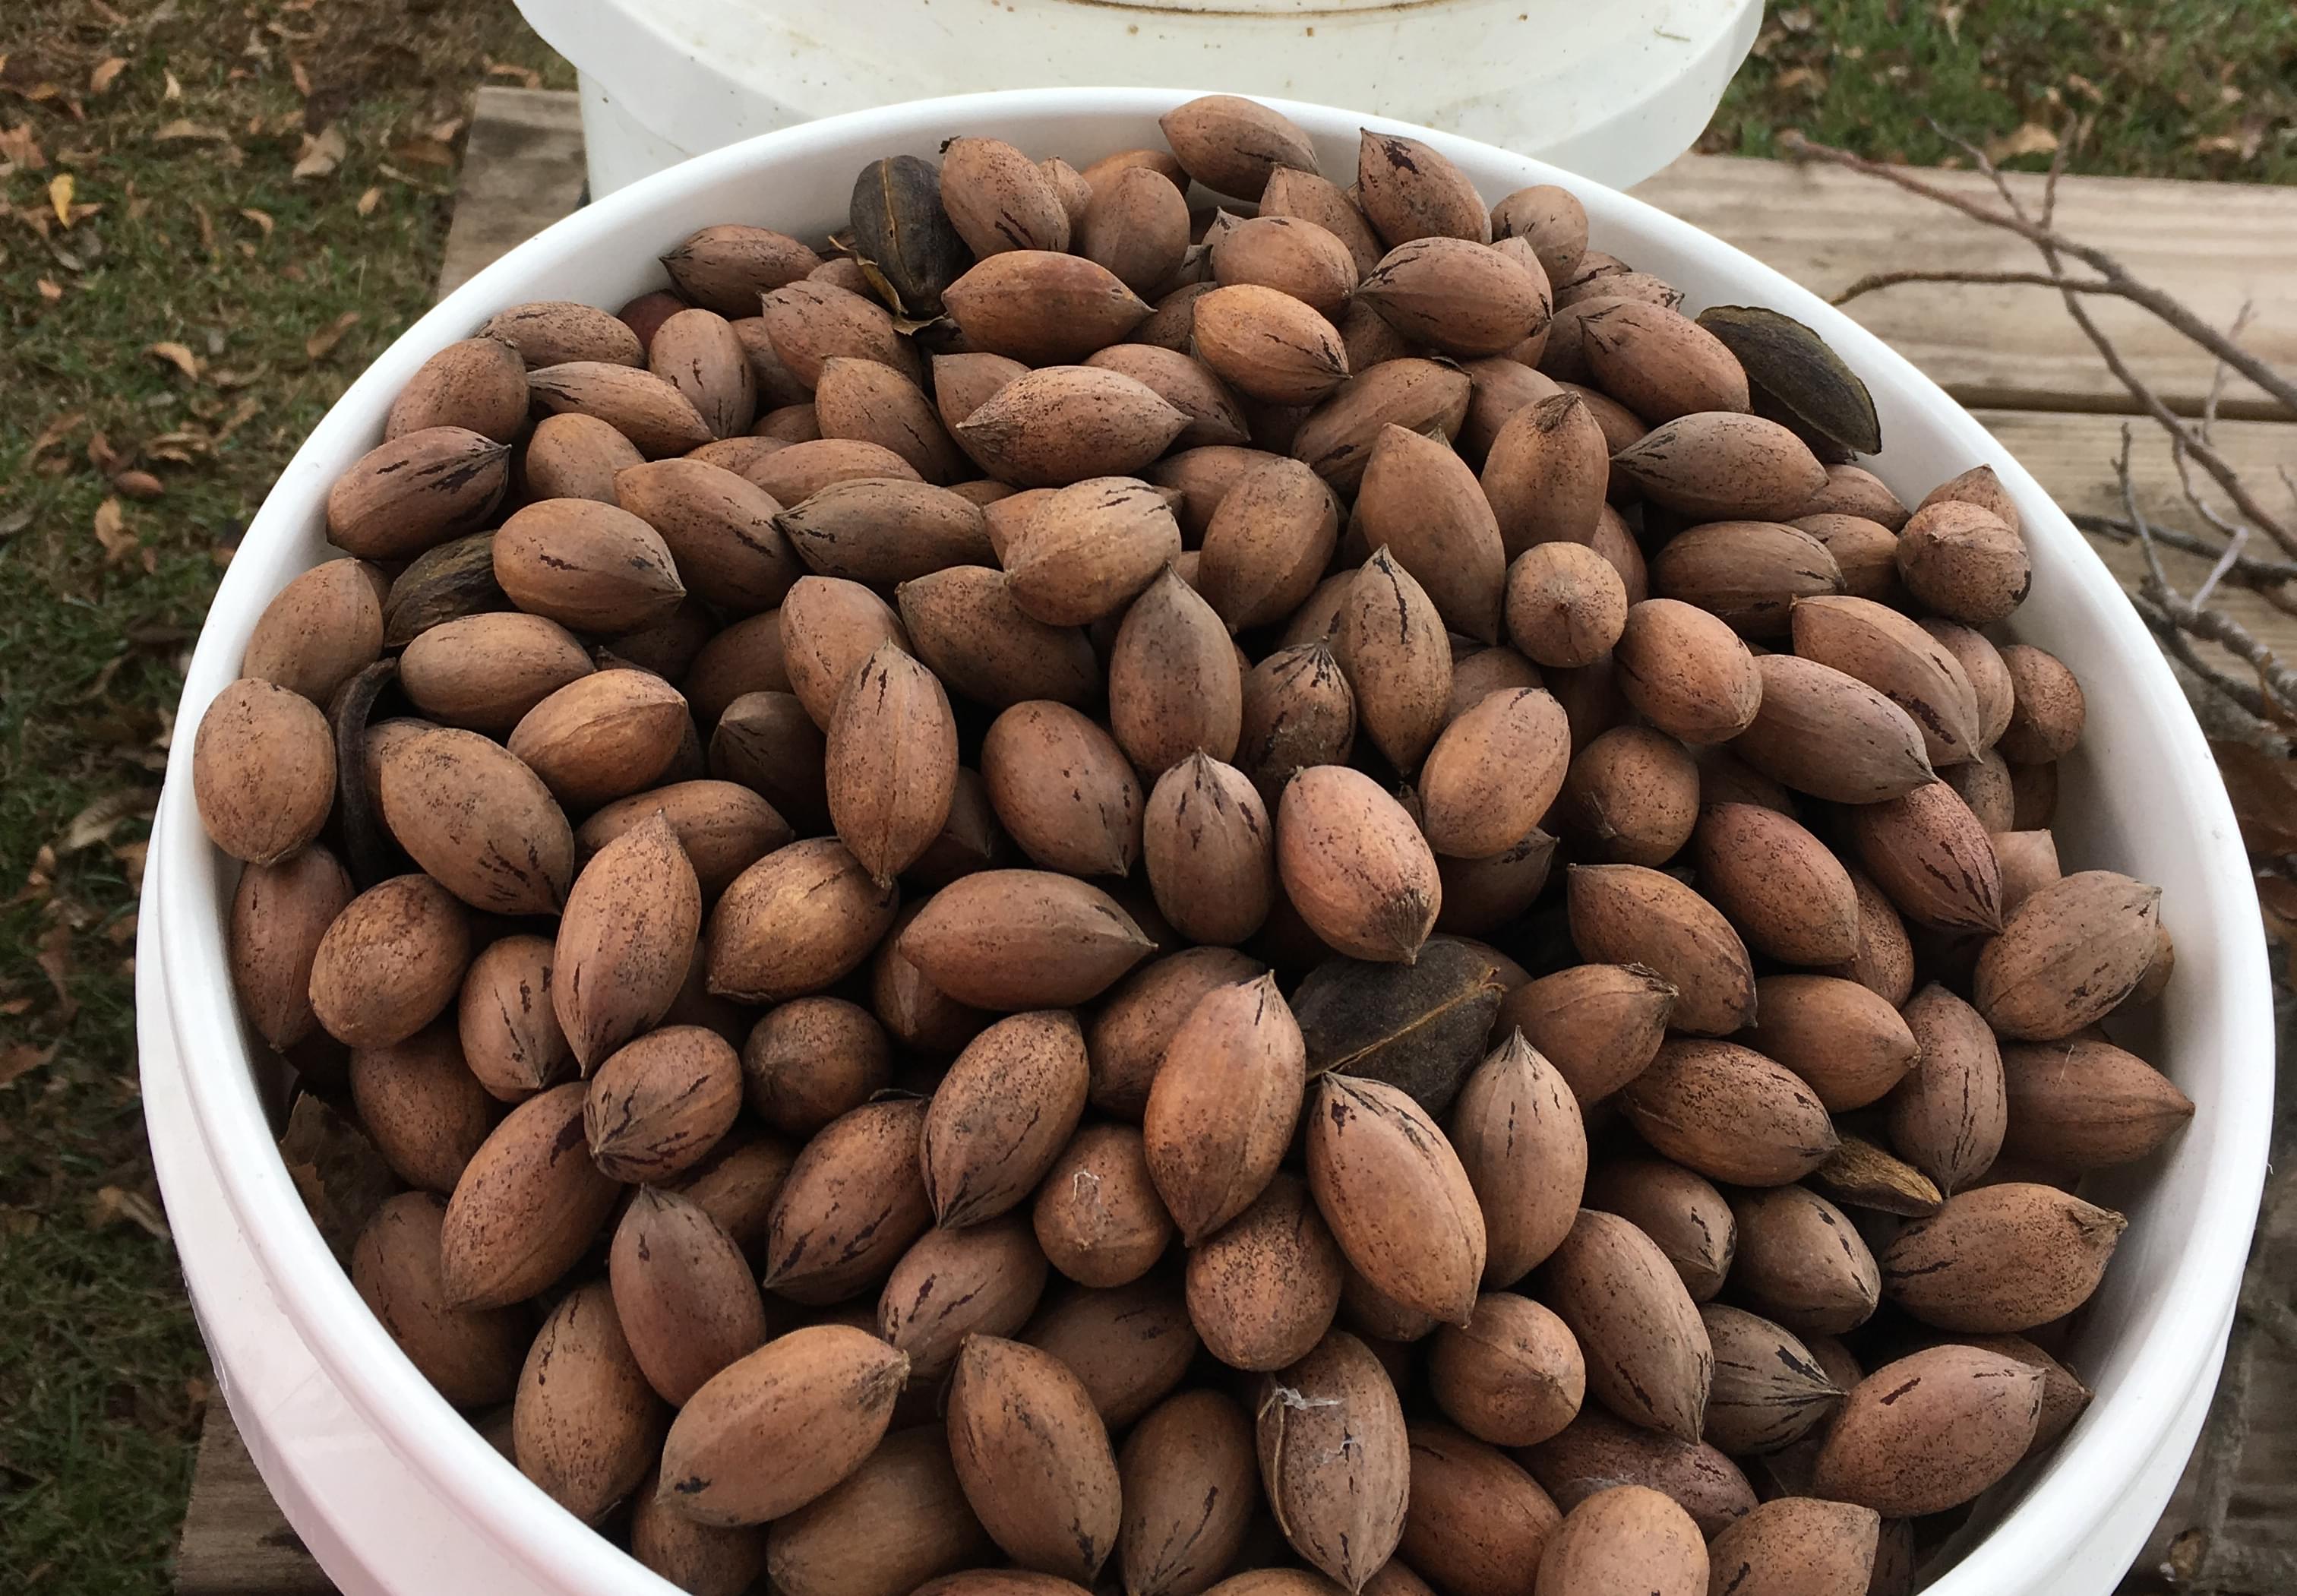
(1613, 90)
(395, 1492)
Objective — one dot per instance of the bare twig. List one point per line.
(2054, 246)
(2248, 570)
(2225, 563)
(2276, 680)
(1872, 281)
(2145, 533)
(2045, 237)
(2203, 455)
(2218, 372)
(2175, 643)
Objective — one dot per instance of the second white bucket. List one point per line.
(1611, 91)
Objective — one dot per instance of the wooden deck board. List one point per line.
(522, 171)
(2216, 246)
(2012, 351)
(235, 1541)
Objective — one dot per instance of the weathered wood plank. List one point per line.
(522, 171)
(235, 1541)
(2216, 246)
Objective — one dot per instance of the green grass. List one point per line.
(102, 1377)
(2178, 88)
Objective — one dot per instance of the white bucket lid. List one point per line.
(1613, 90)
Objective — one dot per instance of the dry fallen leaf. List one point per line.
(59, 197)
(2276, 895)
(112, 1204)
(423, 152)
(106, 73)
(2264, 794)
(51, 291)
(261, 218)
(340, 1177)
(303, 77)
(20, 147)
(97, 822)
(23, 1059)
(54, 959)
(369, 200)
(322, 153)
(178, 356)
(2030, 139)
(111, 532)
(139, 484)
(321, 342)
(58, 430)
(131, 857)
(174, 91)
(182, 130)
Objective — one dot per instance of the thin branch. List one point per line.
(2225, 563)
(2215, 626)
(2244, 695)
(2221, 371)
(2204, 455)
(2041, 236)
(2211, 626)
(2161, 581)
(2249, 571)
(1891, 279)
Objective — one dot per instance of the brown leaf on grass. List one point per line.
(14, 1007)
(54, 959)
(52, 292)
(173, 90)
(2264, 794)
(57, 431)
(319, 344)
(101, 454)
(106, 73)
(21, 146)
(23, 1059)
(59, 197)
(177, 355)
(245, 411)
(97, 822)
(303, 76)
(183, 131)
(13, 521)
(130, 857)
(526, 77)
(111, 532)
(261, 218)
(423, 152)
(139, 484)
(369, 200)
(323, 151)
(2032, 138)
(115, 1204)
